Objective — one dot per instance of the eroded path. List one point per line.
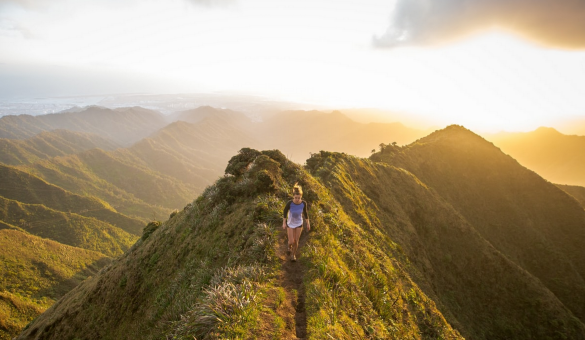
(291, 279)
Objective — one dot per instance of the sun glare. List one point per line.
(490, 81)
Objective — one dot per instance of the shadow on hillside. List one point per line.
(64, 284)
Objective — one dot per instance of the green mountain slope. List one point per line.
(122, 125)
(70, 174)
(67, 228)
(557, 157)
(34, 273)
(480, 291)
(49, 144)
(26, 188)
(387, 258)
(117, 178)
(529, 220)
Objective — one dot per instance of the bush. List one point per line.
(150, 228)
(238, 164)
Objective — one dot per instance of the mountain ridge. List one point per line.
(525, 217)
(47, 144)
(122, 125)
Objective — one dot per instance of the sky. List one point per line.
(486, 64)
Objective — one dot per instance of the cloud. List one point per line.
(557, 23)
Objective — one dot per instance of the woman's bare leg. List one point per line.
(291, 238)
(297, 236)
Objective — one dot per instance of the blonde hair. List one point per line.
(297, 190)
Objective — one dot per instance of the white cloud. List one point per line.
(558, 23)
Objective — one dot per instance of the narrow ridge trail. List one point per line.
(291, 279)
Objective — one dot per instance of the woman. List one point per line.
(293, 215)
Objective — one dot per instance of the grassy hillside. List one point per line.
(117, 179)
(480, 291)
(26, 188)
(558, 158)
(67, 228)
(34, 273)
(576, 191)
(49, 144)
(69, 173)
(529, 220)
(386, 258)
(122, 125)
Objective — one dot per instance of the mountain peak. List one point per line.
(452, 134)
(547, 130)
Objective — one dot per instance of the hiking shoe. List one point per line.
(288, 251)
(294, 258)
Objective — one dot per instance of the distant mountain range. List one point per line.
(299, 133)
(123, 125)
(557, 157)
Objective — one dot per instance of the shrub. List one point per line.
(238, 164)
(150, 228)
(222, 313)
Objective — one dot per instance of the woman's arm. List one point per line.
(285, 214)
(306, 214)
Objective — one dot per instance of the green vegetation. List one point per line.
(127, 186)
(16, 312)
(49, 144)
(26, 188)
(67, 228)
(71, 174)
(34, 273)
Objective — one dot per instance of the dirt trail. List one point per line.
(291, 279)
